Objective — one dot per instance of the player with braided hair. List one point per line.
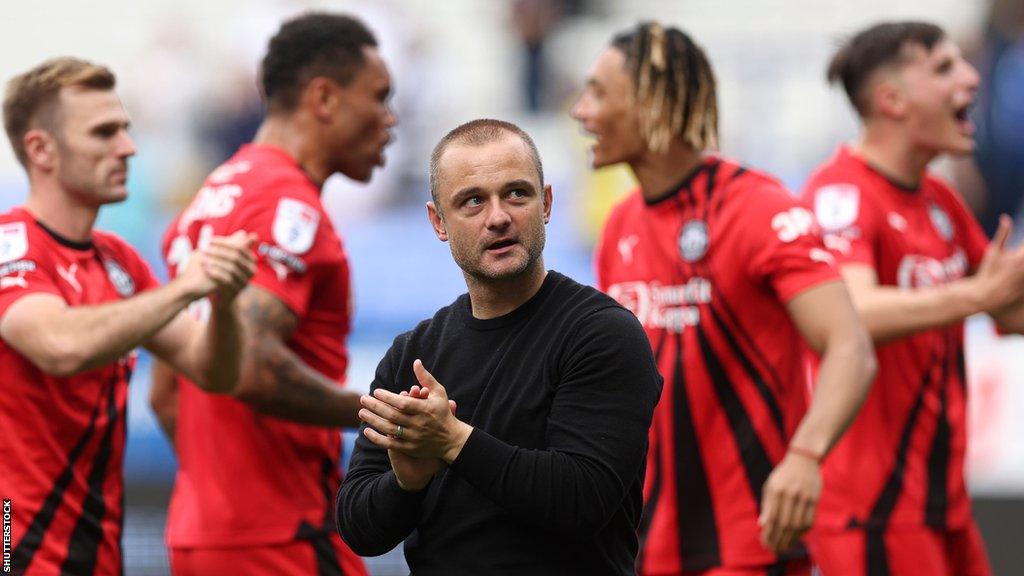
(728, 275)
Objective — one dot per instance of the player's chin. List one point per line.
(360, 173)
(114, 194)
(960, 146)
(600, 159)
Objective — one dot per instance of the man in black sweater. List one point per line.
(540, 468)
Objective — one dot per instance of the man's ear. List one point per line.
(40, 148)
(437, 221)
(548, 199)
(320, 96)
(887, 98)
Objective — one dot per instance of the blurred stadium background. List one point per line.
(186, 72)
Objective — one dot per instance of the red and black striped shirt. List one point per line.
(62, 439)
(901, 463)
(708, 269)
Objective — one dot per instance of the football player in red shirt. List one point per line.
(917, 264)
(74, 303)
(729, 277)
(259, 500)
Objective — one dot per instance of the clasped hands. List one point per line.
(417, 427)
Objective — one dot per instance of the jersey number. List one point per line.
(793, 223)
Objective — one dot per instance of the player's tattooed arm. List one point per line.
(276, 381)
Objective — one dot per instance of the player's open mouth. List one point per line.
(963, 120)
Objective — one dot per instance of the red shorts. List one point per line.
(899, 551)
(324, 555)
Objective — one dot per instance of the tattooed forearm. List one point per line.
(275, 381)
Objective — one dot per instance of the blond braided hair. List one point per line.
(675, 89)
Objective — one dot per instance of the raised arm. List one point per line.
(891, 312)
(64, 340)
(210, 353)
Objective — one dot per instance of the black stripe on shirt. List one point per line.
(876, 560)
(939, 454)
(709, 189)
(756, 462)
(36, 532)
(886, 502)
(327, 562)
(732, 321)
(84, 544)
(752, 373)
(327, 559)
(698, 529)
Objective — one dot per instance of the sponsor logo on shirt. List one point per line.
(671, 308)
(281, 260)
(295, 225)
(836, 206)
(693, 240)
(940, 220)
(121, 280)
(13, 241)
(16, 267)
(917, 271)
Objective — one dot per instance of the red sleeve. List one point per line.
(783, 243)
(24, 268)
(849, 226)
(290, 232)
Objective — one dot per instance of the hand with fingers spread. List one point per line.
(789, 499)
(1000, 275)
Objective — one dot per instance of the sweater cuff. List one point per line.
(481, 457)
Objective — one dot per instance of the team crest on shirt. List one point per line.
(836, 206)
(941, 221)
(693, 240)
(121, 280)
(295, 225)
(13, 241)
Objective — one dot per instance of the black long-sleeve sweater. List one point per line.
(560, 393)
